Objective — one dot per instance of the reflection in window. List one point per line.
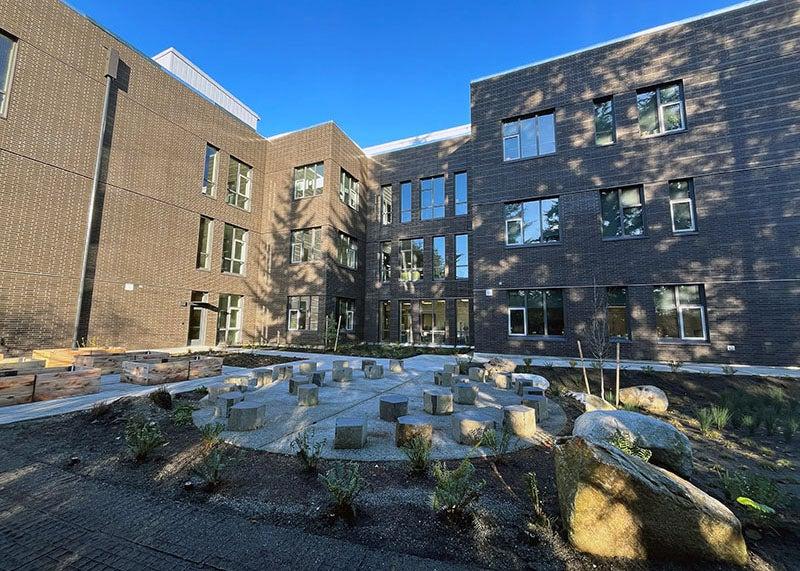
(439, 258)
(604, 131)
(529, 137)
(532, 222)
(346, 312)
(621, 210)
(386, 261)
(617, 309)
(306, 245)
(406, 323)
(204, 244)
(386, 204)
(210, 171)
(461, 193)
(536, 312)
(239, 183)
(680, 312)
(433, 323)
(405, 202)
(346, 250)
(681, 205)
(303, 313)
(463, 336)
(229, 319)
(385, 319)
(661, 109)
(309, 180)
(234, 249)
(462, 256)
(8, 47)
(431, 198)
(411, 259)
(349, 189)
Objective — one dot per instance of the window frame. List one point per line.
(430, 211)
(209, 242)
(349, 314)
(411, 269)
(621, 210)
(315, 249)
(384, 257)
(226, 316)
(210, 184)
(386, 206)
(406, 190)
(311, 320)
(680, 307)
(235, 194)
(435, 275)
(456, 202)
(231, 260)
(690, 201)
(517, 122)
(5, 95)
(349, 245)
(545, 318)
(609, 306)
(318, 180)
(461, 263)
(521, 221)
(349, 190)
(660, 108)
(597, 103)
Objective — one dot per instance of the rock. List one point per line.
(524, 380)
(373, 371)
(317, 378)
(342, 375)
(646, 397)
(468, 426)
(391, 407)
(503, 381)
(615, 505)
(477, 374)
(225, 403)
(497, 366)
(341, 364)
(539, 403)
(240, 382)
(296, 381)
(519, 420)
(442, 378)
(451, 368)
(366, 363)
(591, 402)
(283, 372)
(464, 393)
(307, 367)
(308, 395)
(671, 449)
(264, 376)
(247, 416)
(409, 427)
(351, 432)
(396, 366)
(437, 401)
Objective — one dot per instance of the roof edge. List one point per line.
(418, 140)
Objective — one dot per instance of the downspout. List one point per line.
(111, 73)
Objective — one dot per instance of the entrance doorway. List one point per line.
(197, 319)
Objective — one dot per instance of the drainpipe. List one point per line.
(111, 73)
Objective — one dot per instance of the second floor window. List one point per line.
(462, 256)
(386, 261)
(439, 258)
(303, 313)
(532, 222)
(210, 171)
(309, 180)
(617, 312)
(529, 137)
(306, 245)
(661, 109)
(680, 312)
(349, 190)
(621, 211)
(204, 244)
(604, 131)
(386, 205)
(234, 249)
(405, 202)
(239, 183)
(411, 259)
(346, 251)
(345, 313)
(536, 312)
(681, 205)
(431, 198)
(8, 47)
(461, 193)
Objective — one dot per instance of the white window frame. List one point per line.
(524, 309)
(309, 180)
(230, 260)
(516, 133)
(521, 221)
(690, 306)
(351, 255)
(12, 60)
(310, 323)
(349, 190)
(226, 326)
(209, 242)
(660, 107)
(412, 267)
(210, 178)
(386, 204)
(689, 201)
(349, 314)
(299, 246)
(242, 186)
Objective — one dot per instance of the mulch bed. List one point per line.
(249, 360)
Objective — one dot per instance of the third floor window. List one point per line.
(604, 131)
(239, 184)
(346, 251)
(309, 180)
(529, 136)
(621, 212)
(306, 245)
(7, 50)
(210, 171)
(532, 222)
(349, 190)
(431, 198)
(661, 109)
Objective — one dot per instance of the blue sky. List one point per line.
(381, 70)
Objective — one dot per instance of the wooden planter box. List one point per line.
(170, 372)
(48, 384)
(112, 364)
(65, 357)
(202, 367)
(13, 366)
(16, 389)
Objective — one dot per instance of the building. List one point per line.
(650, 182)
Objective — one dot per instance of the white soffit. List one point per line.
(418, 140)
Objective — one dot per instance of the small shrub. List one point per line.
(161, 398)
(720, 416)
(344, 483)
(748, 485)
(210, 471)
(706, 420)
(497, 443)
(100, 410)
(573, 363)
(548, 364)
(777, 396)
(182, 416)
(760, 513)
(200, 391)
(455, 490)
(648, 370)
(749, 423)
(675, 365)
(728, 370)
(532, 487)
(627, 444)
(142, 437)
(770, 421)
(209, 433)
(418, 453)
(308, 453)
(630, 406)
(527, 361)
(790, 428)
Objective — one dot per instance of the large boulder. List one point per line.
(615, 505)
(498, 365)
(671, 449)
(645, 397)
(590, 402)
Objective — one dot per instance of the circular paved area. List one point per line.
(360, 398)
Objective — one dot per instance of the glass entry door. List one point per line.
(433, 323)
(197, 319)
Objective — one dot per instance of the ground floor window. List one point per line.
(303, 312)
(385, 319)
(680, 312)
(617, 312)
(406, 323)
(229, 322)
(536, 312)
(433, 321)
(463, 332)
(346, 310)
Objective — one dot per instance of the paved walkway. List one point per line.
(51, 518)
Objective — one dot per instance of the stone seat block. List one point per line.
(308, 395)
(264, 376)
(522, 380)
(342, 375)
(341, 364)
(216, 390)
(503, 381)
(442, 378)
(396, 366)
(247, 415)
(451, 368)
(409, 427)
(468, 426)
(350, 432)
(241, 382)
(539, 403)
(477, 374)
(226, 401)
(308, 367)
(519, 420)
(437, 401)
(317, 377)
(391, 407)
(283, 372)
(295, 381)
(373, 371)
(464, 393)
(366, 363)
(532, 391)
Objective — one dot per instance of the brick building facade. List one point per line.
(650, 182)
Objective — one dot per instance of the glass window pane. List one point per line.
(678, 189)
(439, 259)
(647, 106)
(528, 137)
(511, 148)
(670, 93)
(510, 128)
(461, 193)
(536, 321)
(609, 206)
(462, 256)
(550, 228)
(633, 224)
(604, 122)
(514, 210)
(516, 320)
(532, 230)
(666, 312)
(682, 216)
(554, 302)
(630, 197)
(689, 295)
(516, 298)
(617, 296)
(618, 321)
(6, 45)
(693, 323)
(672, 117)
(547, 134)
(514, 232)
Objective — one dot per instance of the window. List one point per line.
(234, 246)
(303, 312)
(386, 261)
(536, 312)
(431, 198)
(346, 309)
(405, 202)
(8, 49)
(681, 205)
(680, 312)
(661, 109)
(461, 193)
(346, 251)
(306, 245)
(385, 319)
(621, 210)
(617, 309)
(462, 256)
(386, 205)
(439, 258)
(210, 171)
(349, 190)
(604, 130)
(406, 323)
(532, 222)
(229, 320)
(411, 259)
(463, 336)
(433, 323)
(309, 180)
(239, 181)
(204, 244)
(529, 137)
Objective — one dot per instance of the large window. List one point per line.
(306, 245)
(386, 204)
(621, 210)
(439, 258)
(461, 193)
(431, 198)
(536, 312)
(680, 312)
(604, 130)
(210, 171)
(463, 336)
(433, 321)
(8, 50)
(405, 202)
(406, 323)
(661, 109)
(386, 261)
(349, 190)
(681, 205)
(346, 310)
(309, 180)
(529, 136)
(234, 249)
(204, 243)
(617, 309)
(462, 256)
(532, 222)
(303, 313)
(411, 259)
(385, 319)
(229, 320)
(239, 183)
(346, 251)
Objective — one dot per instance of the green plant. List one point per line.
(210, 432)
(790, 428)
(202, 390)
(344, 483)
(161, 398)
(728, 370)
(100, 410)
(548, 364)
(532, 487)
(182, 415)
(455, 490)
(706, 420)
(627, 444)
(648, 370)
(761, 513)
(720, 416)
(675, 365)
(418, 452)
(630, 406)
(572, 363)
(498, 443)
(748, 485)
(210, 471)
(308, 453)
(749, 423)
(142, 437)
(770, 420)
(527, 361)
(777, 396)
